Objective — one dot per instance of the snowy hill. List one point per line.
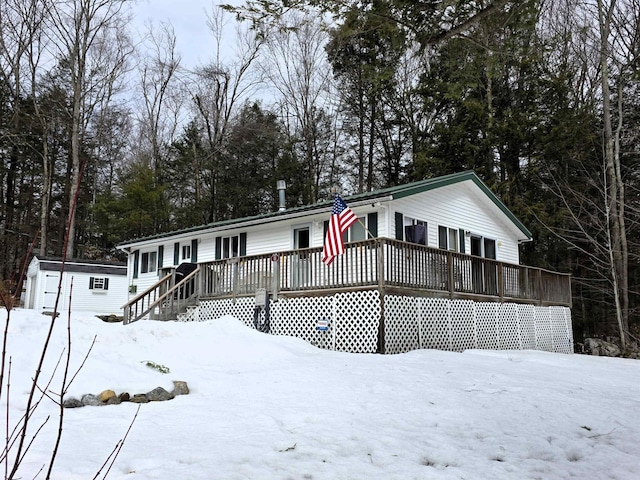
(266, 407)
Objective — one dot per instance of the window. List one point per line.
(230, 246)
(448, 238)
(186, 252)
(357, 232)
(149, 262)
(98, 283)
(415, 231)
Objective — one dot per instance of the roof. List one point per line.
(389, 193)
(54, 264)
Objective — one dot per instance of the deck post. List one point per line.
(539, 286)
(450, 273)
(381, 277)
(501, 281)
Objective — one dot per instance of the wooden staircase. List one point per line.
(165, 300)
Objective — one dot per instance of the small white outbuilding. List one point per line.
(90, 285)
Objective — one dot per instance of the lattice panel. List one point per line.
(508, 327)
(527, 317)
(298, 317)
(356, 321)
(487, 325)
(463, 325)
(560, 326)
(400, 324)
(544, 334)
(241, 308)
(435, 323)
(411, 322)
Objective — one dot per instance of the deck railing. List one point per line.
(385, 263)
(375, 263)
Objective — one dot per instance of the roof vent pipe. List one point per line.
(282, 186)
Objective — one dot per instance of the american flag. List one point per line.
(341, 219)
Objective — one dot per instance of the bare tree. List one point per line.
(219, 87)
(90, 40)
(20, 49)
(158, 117)
(604, 55)
(295, 65)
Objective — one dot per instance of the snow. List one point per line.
(269, 407)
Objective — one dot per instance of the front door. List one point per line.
(300, 270)
(476, 264)
(484, 274)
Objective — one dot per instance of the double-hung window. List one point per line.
(231, 246)
(149, 262)
(448, 238)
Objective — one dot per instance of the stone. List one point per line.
(114, 401)
(601, 347)
(159, 394)
(72, 403)
(124, 397)
(139, 398)
(180, 388)
(90, 399)
(105, 395)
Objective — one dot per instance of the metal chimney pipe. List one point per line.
(282, 186)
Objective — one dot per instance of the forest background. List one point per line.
(540, 98)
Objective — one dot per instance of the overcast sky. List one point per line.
(189, 20)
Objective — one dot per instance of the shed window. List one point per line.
(98, 283)
(149, 262)
(186, 252)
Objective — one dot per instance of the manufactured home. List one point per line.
(430, 264)
(85, 285)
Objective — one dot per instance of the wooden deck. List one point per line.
(384, 264)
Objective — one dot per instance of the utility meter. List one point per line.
(261, 297)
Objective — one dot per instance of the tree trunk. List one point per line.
(614, 188)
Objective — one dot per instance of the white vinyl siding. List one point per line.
(458, 207)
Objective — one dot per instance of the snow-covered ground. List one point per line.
(267, 407)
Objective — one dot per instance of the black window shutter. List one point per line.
(218, 248)
(106, 283)
(136, 263)
(399, 229)
(243, 244)
(176, 253)
(194, 250)
(90, 283)
(326, 229)
(160, 256)
(372, 221)
(461, 236)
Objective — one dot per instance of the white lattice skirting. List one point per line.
(411, 323)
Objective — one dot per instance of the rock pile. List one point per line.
(597, 346)
(109, 397)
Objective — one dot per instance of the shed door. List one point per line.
(50, 292)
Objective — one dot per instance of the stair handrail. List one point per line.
(147, 291)
(161, 298)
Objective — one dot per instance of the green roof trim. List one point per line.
(445, 180)
(399, 191)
